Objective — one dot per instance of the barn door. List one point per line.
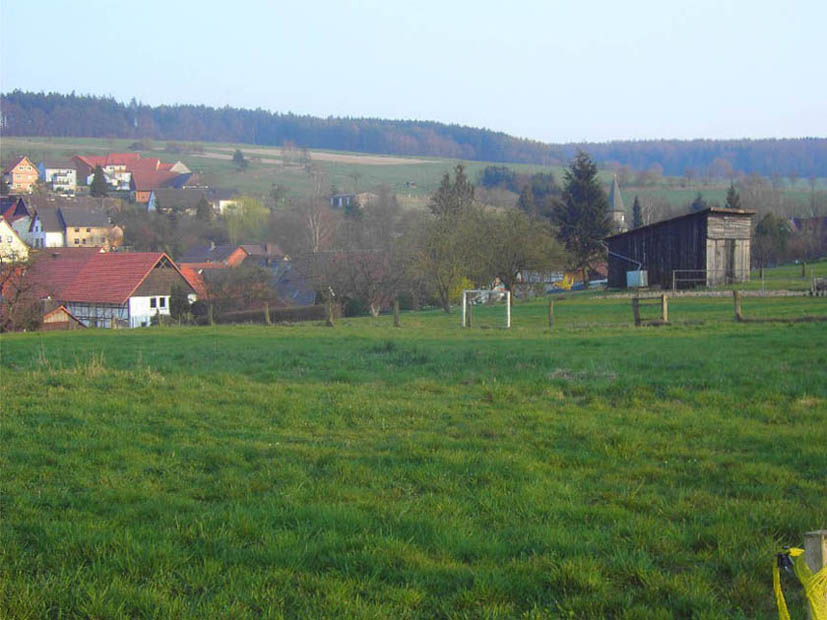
(729, 258)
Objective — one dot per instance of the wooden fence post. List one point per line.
(664, 309)
(815, 550)
(550, 314)
(210, 316)
(267, 320)
(736, 296)
(329, 322)
(396, 312)
(636, 310)
(803, 269)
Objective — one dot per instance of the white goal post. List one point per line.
(488, 293)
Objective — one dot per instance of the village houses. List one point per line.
(21, 175)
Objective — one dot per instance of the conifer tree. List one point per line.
(733, 200)
(637, 214)
(452, 198)
(699, 204)
(99, 186)
(239, 160)
(203, 211)
(582, 216)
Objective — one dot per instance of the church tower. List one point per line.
(616, 209)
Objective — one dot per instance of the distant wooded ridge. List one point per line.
(58, 115)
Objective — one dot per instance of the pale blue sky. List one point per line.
(553, 71)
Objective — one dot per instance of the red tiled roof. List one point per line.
(87, 275)
(202, 266)
(145, 180)
(195, 281)
(110, 278)
(55, 268)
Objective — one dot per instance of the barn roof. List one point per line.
(703, 212)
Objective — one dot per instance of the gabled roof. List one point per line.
(61, 309)
(80, 216)
(195, 281)
(144, 180)
(95, 277)
(50, 220)
(13, 209)
(615, 197)
(175, 197)
(703, 212)
(16, 163)
(55, 268)
(208, 254)
(51, 164)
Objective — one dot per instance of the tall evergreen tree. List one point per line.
(699, 204)
(239, 160)
(203, 210)
(452, 197)
(637, 214)
(99, 187)
(733, 200)
(582, 216)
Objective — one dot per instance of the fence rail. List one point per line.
(693, 278)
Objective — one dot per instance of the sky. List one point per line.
(555, 71)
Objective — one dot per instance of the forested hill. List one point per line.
(39, 114)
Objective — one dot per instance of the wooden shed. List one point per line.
(705, 248)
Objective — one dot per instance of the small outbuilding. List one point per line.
(704, 248)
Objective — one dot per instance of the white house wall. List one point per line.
(141, 310)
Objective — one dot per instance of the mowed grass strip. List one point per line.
(366, 471)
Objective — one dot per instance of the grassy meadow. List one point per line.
(427, 471)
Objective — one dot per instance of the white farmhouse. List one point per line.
(60, 177)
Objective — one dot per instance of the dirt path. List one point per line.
(342, 158)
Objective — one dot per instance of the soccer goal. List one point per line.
(481, 306)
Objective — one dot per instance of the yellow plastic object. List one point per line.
(566, 283)
(815, 586)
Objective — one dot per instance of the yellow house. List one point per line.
(12, 248)
(21, 175)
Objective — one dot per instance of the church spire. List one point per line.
(618, 210)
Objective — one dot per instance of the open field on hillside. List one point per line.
(410, 177)
(427, 471)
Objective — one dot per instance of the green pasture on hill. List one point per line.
(413, 181)
(599, 470)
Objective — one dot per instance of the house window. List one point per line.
(77, 229)
(77, 241)
(163, 302)
(84, 241)
(88, 230)
(153, 302)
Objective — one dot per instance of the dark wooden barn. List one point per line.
(706, 248)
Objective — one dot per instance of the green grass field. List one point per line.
(428, 471)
